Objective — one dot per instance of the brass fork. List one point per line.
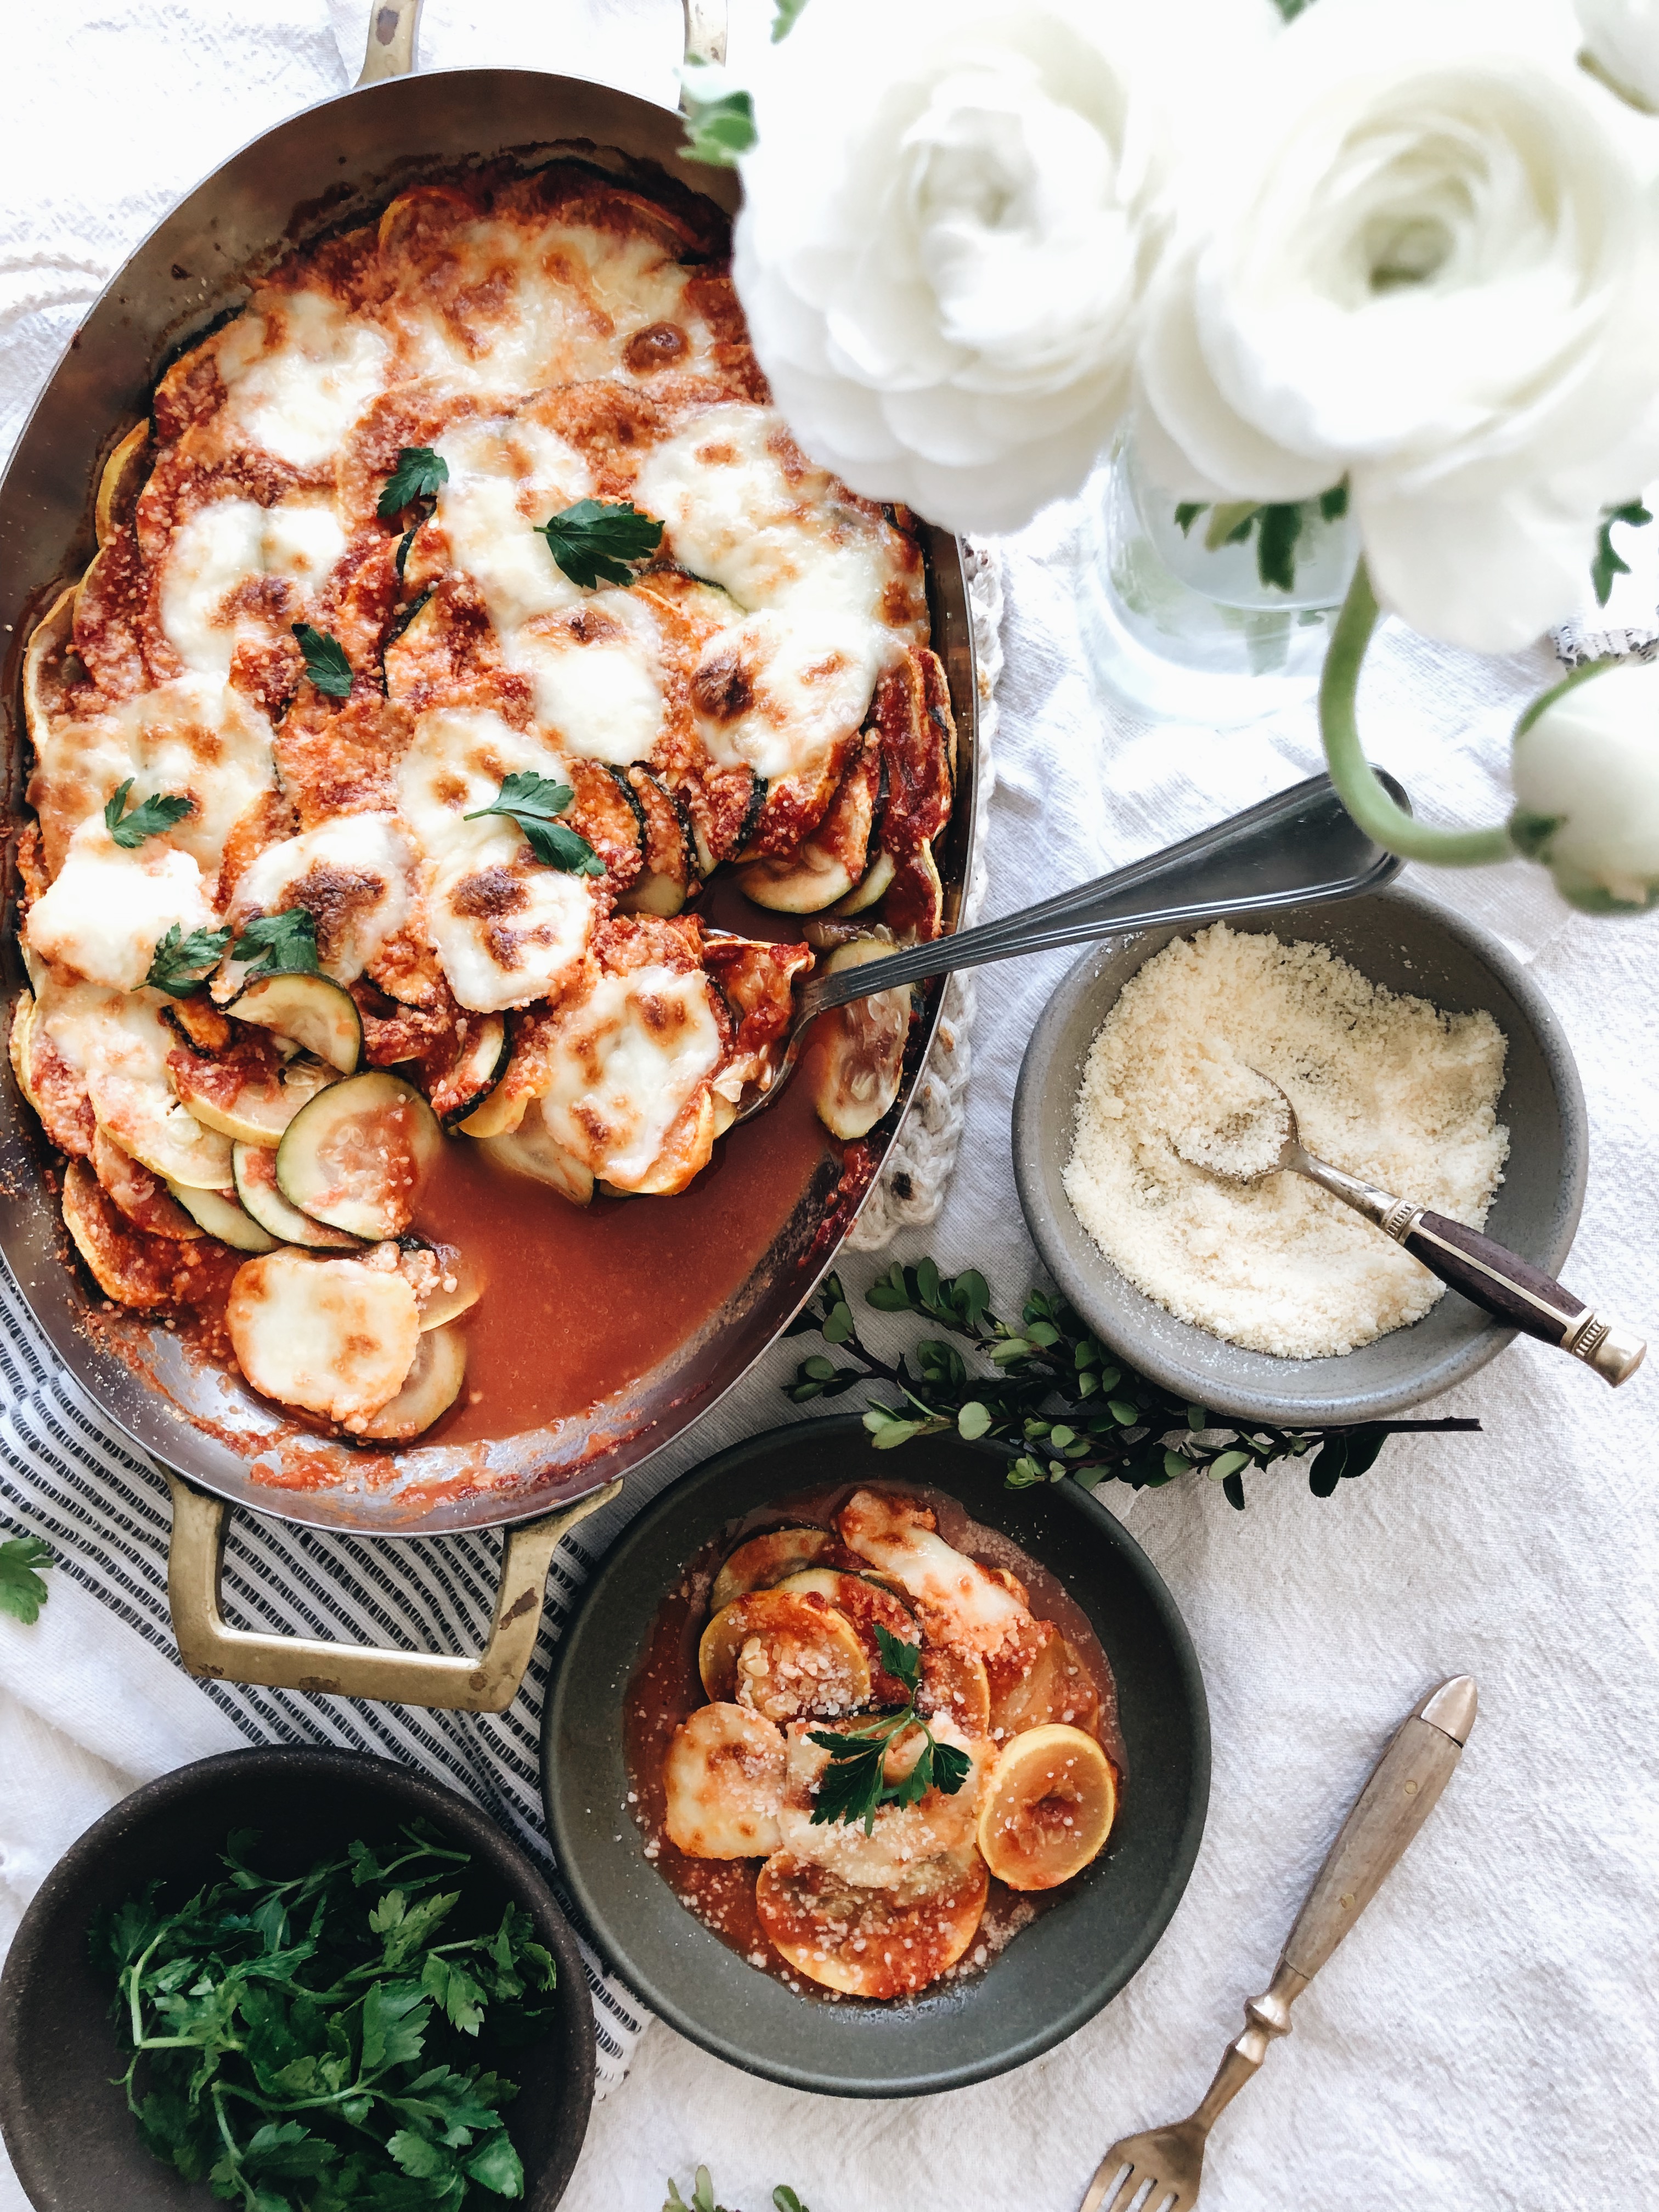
(1165, 2164)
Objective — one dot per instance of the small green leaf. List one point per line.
(1275, 546)
(420, 474)
(599, 538)
(1126, 1415)
(973, 1419)
(1609, 562)
(893, 1433)
(1197, 1417)
(1188, 512)
(180, 964)
(720, 118)
(1334, 503)
(838, 1323)
(534, 802)
(279, 944)
(495, 2166)
(151, 819)
(1230, 522)
(325, 661)
(785, 2200)
(1226, 1464)
(1175, 1463)
(22, 1593)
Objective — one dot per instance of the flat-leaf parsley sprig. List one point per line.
(22, 1593)
(420, 475)
(1056, 1403)
(596, 538)
(854, 1785)
(282, 944)
(325, 661)
(295, 2043)
(535, 802)
(150, 819)
(181, 965)
(702, 2198)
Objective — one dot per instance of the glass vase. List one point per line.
(1177, 620)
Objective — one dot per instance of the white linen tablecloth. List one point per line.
(1488, 2036)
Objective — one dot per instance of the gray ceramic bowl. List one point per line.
(1405, 941)
(67, 2128)
(1055, 1974)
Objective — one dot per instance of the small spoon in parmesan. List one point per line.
(1249, 1131)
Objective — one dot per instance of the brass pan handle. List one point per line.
(487, 1683)
(393, 25)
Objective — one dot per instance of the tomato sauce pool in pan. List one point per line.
(665, 1688)
(581, 1301)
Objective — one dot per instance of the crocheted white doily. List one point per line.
(913, 1182)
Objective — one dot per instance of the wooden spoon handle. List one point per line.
(1520, 1294)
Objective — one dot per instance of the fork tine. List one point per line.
(1125, 2196)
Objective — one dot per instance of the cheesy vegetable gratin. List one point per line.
(463, 607)
(899, 1752)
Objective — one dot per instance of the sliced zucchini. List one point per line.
(335, 1336)
(173, 1143)
(433, 1385)
(501, 1112)
(530, 1151)
(805, 881)
(253, 1110)
(122, 481)
(606, 812)
(254, 1167)
(855, 1060)
(864, 895)
(141, 1196)
(447, 1282)
(460, 1085)
(312, 1010)
(915, 903)
(22, 1017)
(355, 1156)
(672, 876)
(758, 788)
(222, 1215)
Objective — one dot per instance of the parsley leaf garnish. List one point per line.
(286, 2042)
(148, 819)
(853, 1785)
(720, 116)
(279, 944)
(420, 474)
(181, 962)
(534, 802)
(22, 1593)
(1609, 563)
(325, 661)
(593, 539)
(783, 18)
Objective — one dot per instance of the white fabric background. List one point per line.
(1488, 2036)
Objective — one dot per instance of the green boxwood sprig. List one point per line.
(1055, 1402)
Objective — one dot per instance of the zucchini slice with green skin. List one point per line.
(863, 896)
(854, 1062)
(460, 1086)
(311, 1011)
(222, 1215)
(254, 1111)
(672, 877)
(447, 1282)
(432, 1387)
(335, 1336)
(751, 821)
(254, 1167)
(529, 1149)
(354, 1158)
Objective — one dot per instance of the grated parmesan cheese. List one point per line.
(1385, 1086)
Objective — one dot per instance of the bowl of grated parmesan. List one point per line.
(1418, 1053)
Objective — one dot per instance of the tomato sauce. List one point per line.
(666, 1688)
(579, 1302)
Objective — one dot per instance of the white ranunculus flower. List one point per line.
(1586, 776)
(1424, 260)
(948, 224)
(1622, 39)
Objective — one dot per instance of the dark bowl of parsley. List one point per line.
(297, 1981)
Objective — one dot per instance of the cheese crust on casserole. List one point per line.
(762, 693)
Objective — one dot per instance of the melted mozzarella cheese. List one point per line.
(625, 1062)
(732, 514)
(108, 909)
(300, 373)
(117, 1043)
(904, 1836)
(218, 549)
(799, 684)
(960, 1602)
(354, 875)
(504, 930)
(505, 478)
(194, 738)
(597, 681)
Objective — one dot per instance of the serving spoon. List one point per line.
(1301, 847)
(1474, 1265)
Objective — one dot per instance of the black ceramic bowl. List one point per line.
(65, 2122)
(1055, 1974)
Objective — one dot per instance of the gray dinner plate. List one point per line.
(1053, 1975)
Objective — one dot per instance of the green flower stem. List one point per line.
(1356, 782)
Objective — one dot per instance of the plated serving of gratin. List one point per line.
(465, 627)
